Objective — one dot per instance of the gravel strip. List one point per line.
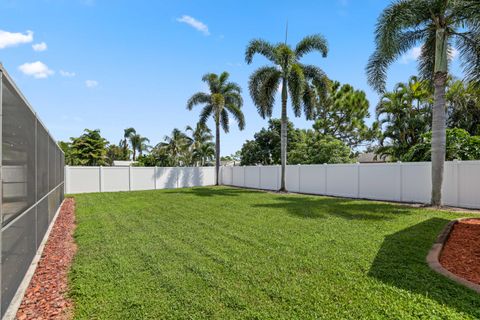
(46, 296)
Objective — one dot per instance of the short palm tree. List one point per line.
(127, 133)
(139, 144)
(224, 99)
(202, 146)
(174, 147)
(301, 82)
(437, 25)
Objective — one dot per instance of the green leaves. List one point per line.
(263, 86)
(222, 93)
(406, 23)
(312, 43)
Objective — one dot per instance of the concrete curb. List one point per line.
(433, 257)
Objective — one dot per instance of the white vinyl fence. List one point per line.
(403, 182)
(109, 179)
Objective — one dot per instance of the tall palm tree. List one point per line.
(301, 81)
(437, 25)
(174, 147)
(127, 133)
(224, 98)
(202, 146)
(139, 144)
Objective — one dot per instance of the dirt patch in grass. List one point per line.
(46, 296)
(461, 254)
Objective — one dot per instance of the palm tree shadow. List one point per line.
(401, 262)
(315, 207)
(214, 191)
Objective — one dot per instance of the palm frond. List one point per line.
(224, 121)
(198, 98)
(261, 47)
(296, 83)
(237, 114)
(207, 111)
(263, 85)
(312, 43)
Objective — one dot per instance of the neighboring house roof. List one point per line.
(123, 163)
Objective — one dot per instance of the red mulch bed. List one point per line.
(46, 296)
(461, 253)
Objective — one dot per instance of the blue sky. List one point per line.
(115, 64)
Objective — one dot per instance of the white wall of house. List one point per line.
(402, 182)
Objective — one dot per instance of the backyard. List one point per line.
(226, 253)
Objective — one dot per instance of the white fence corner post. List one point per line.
(400, 180)
(244, 175)
(100, 178)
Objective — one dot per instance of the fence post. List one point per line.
(400, 170)
(260, 177)
(299, 178)
(100, 178)
(66, 179)
(357, 165)
(326, 178)
(244, 170)
(155, 177)
(129, 178)
(456, 181)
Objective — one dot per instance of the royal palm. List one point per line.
(436, 25)
(301, 82)
(224, 99)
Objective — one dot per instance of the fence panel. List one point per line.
(143, 178)
(380, 181)
(468, 184)
(416, 182)
(269, 177)
(342, 180)
(112, 179)
(227, 175)
(238, 176)
(403, 182)
(292, 176)
(252, 177)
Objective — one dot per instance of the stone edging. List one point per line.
(433, 257)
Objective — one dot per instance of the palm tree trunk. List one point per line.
(283, 136)
(134, 154)
(217, 151)
(439, 117)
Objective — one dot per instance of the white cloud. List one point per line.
(91, 83)
(67, 74)
(411, 55)
(42, 46)
(38, 70)
(200, 26)
(11, 39)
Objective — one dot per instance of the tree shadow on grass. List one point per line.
(315, 207)
(401, 262)
(213, 191)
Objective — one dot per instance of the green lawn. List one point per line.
(226, 253)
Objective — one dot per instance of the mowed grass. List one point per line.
(227, 253)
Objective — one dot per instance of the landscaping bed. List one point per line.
(46, 296)
(461, 252)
